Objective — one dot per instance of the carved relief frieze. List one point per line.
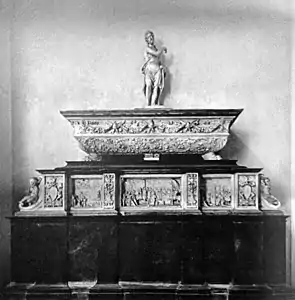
(151, 126)
(141, 131)
(151, 192)
(247, 191)
(139, 145)
(54, 191)
(218, 192)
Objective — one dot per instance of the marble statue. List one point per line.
(31, 199)
(153, 71)
(268, 201)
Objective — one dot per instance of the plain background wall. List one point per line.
(87, 54)
(5, 140)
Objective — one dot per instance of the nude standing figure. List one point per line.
(153, 70)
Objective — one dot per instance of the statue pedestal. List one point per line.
(172, 256)
(152, 130)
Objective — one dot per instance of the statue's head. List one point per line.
(149, 37)
(34, 181)
(265, 184)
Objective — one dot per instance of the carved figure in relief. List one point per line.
(151, 192)
(153, 70)
(32, 197)
(268, 201)
(218, 196)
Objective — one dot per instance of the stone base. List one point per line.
(154, 291)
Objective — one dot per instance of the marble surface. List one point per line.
(39, 250)
(169, 249)
(93, 250)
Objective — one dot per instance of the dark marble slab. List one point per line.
(149, 296)
(150, 112)
(150, 251)
(217, 250)
(39, 250)
(192, 252)
(93, 249)
(15, 291)
(251, 292)
(274, 250)
(49, 292)
(106, 292)
(167, 164)
(150, 291)
(22, 242)
(248, 261)
(173, 248)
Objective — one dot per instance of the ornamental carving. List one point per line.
(268, 201)
(109, 190)
(192, 200)
(218, 192)
(139, 145)
(32, 200)
(151, 126)
(87, 192)
(54, 191)
(161, 131)
(247, 191)
(151, 192)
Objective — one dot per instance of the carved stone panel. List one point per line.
(151, 192)
(218, 192)
(87, 192)
(91, 193)
(54, 191)
(192, 200)
(247, 191)
(109, 190)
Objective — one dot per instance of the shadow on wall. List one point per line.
(235, 147)
(167, 61)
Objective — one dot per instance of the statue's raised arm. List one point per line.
(153, 70)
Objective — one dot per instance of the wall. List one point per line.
(5, 141)
(292, 138)
(87, 54)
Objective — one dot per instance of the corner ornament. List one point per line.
(31, 200)
(268, 201)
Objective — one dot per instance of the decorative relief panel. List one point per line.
(140, 145)
(87, 192)
(54, 191)
(92, 192)
(109, 190)
(142, 131)
(192, 200)
(219, 192)
(151, 126)
(151, 191)
(247, 191)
